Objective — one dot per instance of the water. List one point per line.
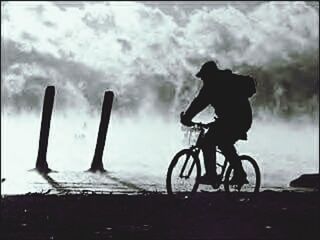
(138, 152)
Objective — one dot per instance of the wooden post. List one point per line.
(41, 164)
(97, 164)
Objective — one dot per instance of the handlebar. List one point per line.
(201, 125)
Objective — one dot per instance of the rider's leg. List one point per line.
(230, 152)
(209, 156)
(209, 152)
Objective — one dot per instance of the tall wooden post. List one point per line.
(41, 164)
(97, 164)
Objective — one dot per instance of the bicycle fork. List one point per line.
(181, 175)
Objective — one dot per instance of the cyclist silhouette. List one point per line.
(228, 94)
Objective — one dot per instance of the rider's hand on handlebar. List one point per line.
(203, 125)
(185, 121)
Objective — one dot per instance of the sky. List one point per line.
(148, 52)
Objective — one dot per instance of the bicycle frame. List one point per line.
(195, 149)
(225, 170)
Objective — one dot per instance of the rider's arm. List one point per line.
(197, 105)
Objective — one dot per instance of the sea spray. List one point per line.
(148, 55)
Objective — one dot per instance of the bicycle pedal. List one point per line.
(215, 185)
(238, 186)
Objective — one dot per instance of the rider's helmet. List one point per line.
(208, 69)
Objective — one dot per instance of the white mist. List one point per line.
(138, 150)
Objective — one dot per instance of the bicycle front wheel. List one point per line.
(183, 173)
(251, 168)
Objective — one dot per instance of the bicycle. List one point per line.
(191, 170)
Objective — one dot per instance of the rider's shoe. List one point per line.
(208, 179)
(239, 179)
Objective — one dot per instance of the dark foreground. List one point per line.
(269, 215)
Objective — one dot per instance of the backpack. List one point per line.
(244, 84)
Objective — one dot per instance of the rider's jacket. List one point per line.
(229, 100)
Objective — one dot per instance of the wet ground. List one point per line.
(72, 182)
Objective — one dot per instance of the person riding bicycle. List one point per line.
(229, 96)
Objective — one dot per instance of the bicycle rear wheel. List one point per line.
(253, 175)
(183, 173)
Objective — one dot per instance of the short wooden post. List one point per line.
(41, 164)
(97, 164)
